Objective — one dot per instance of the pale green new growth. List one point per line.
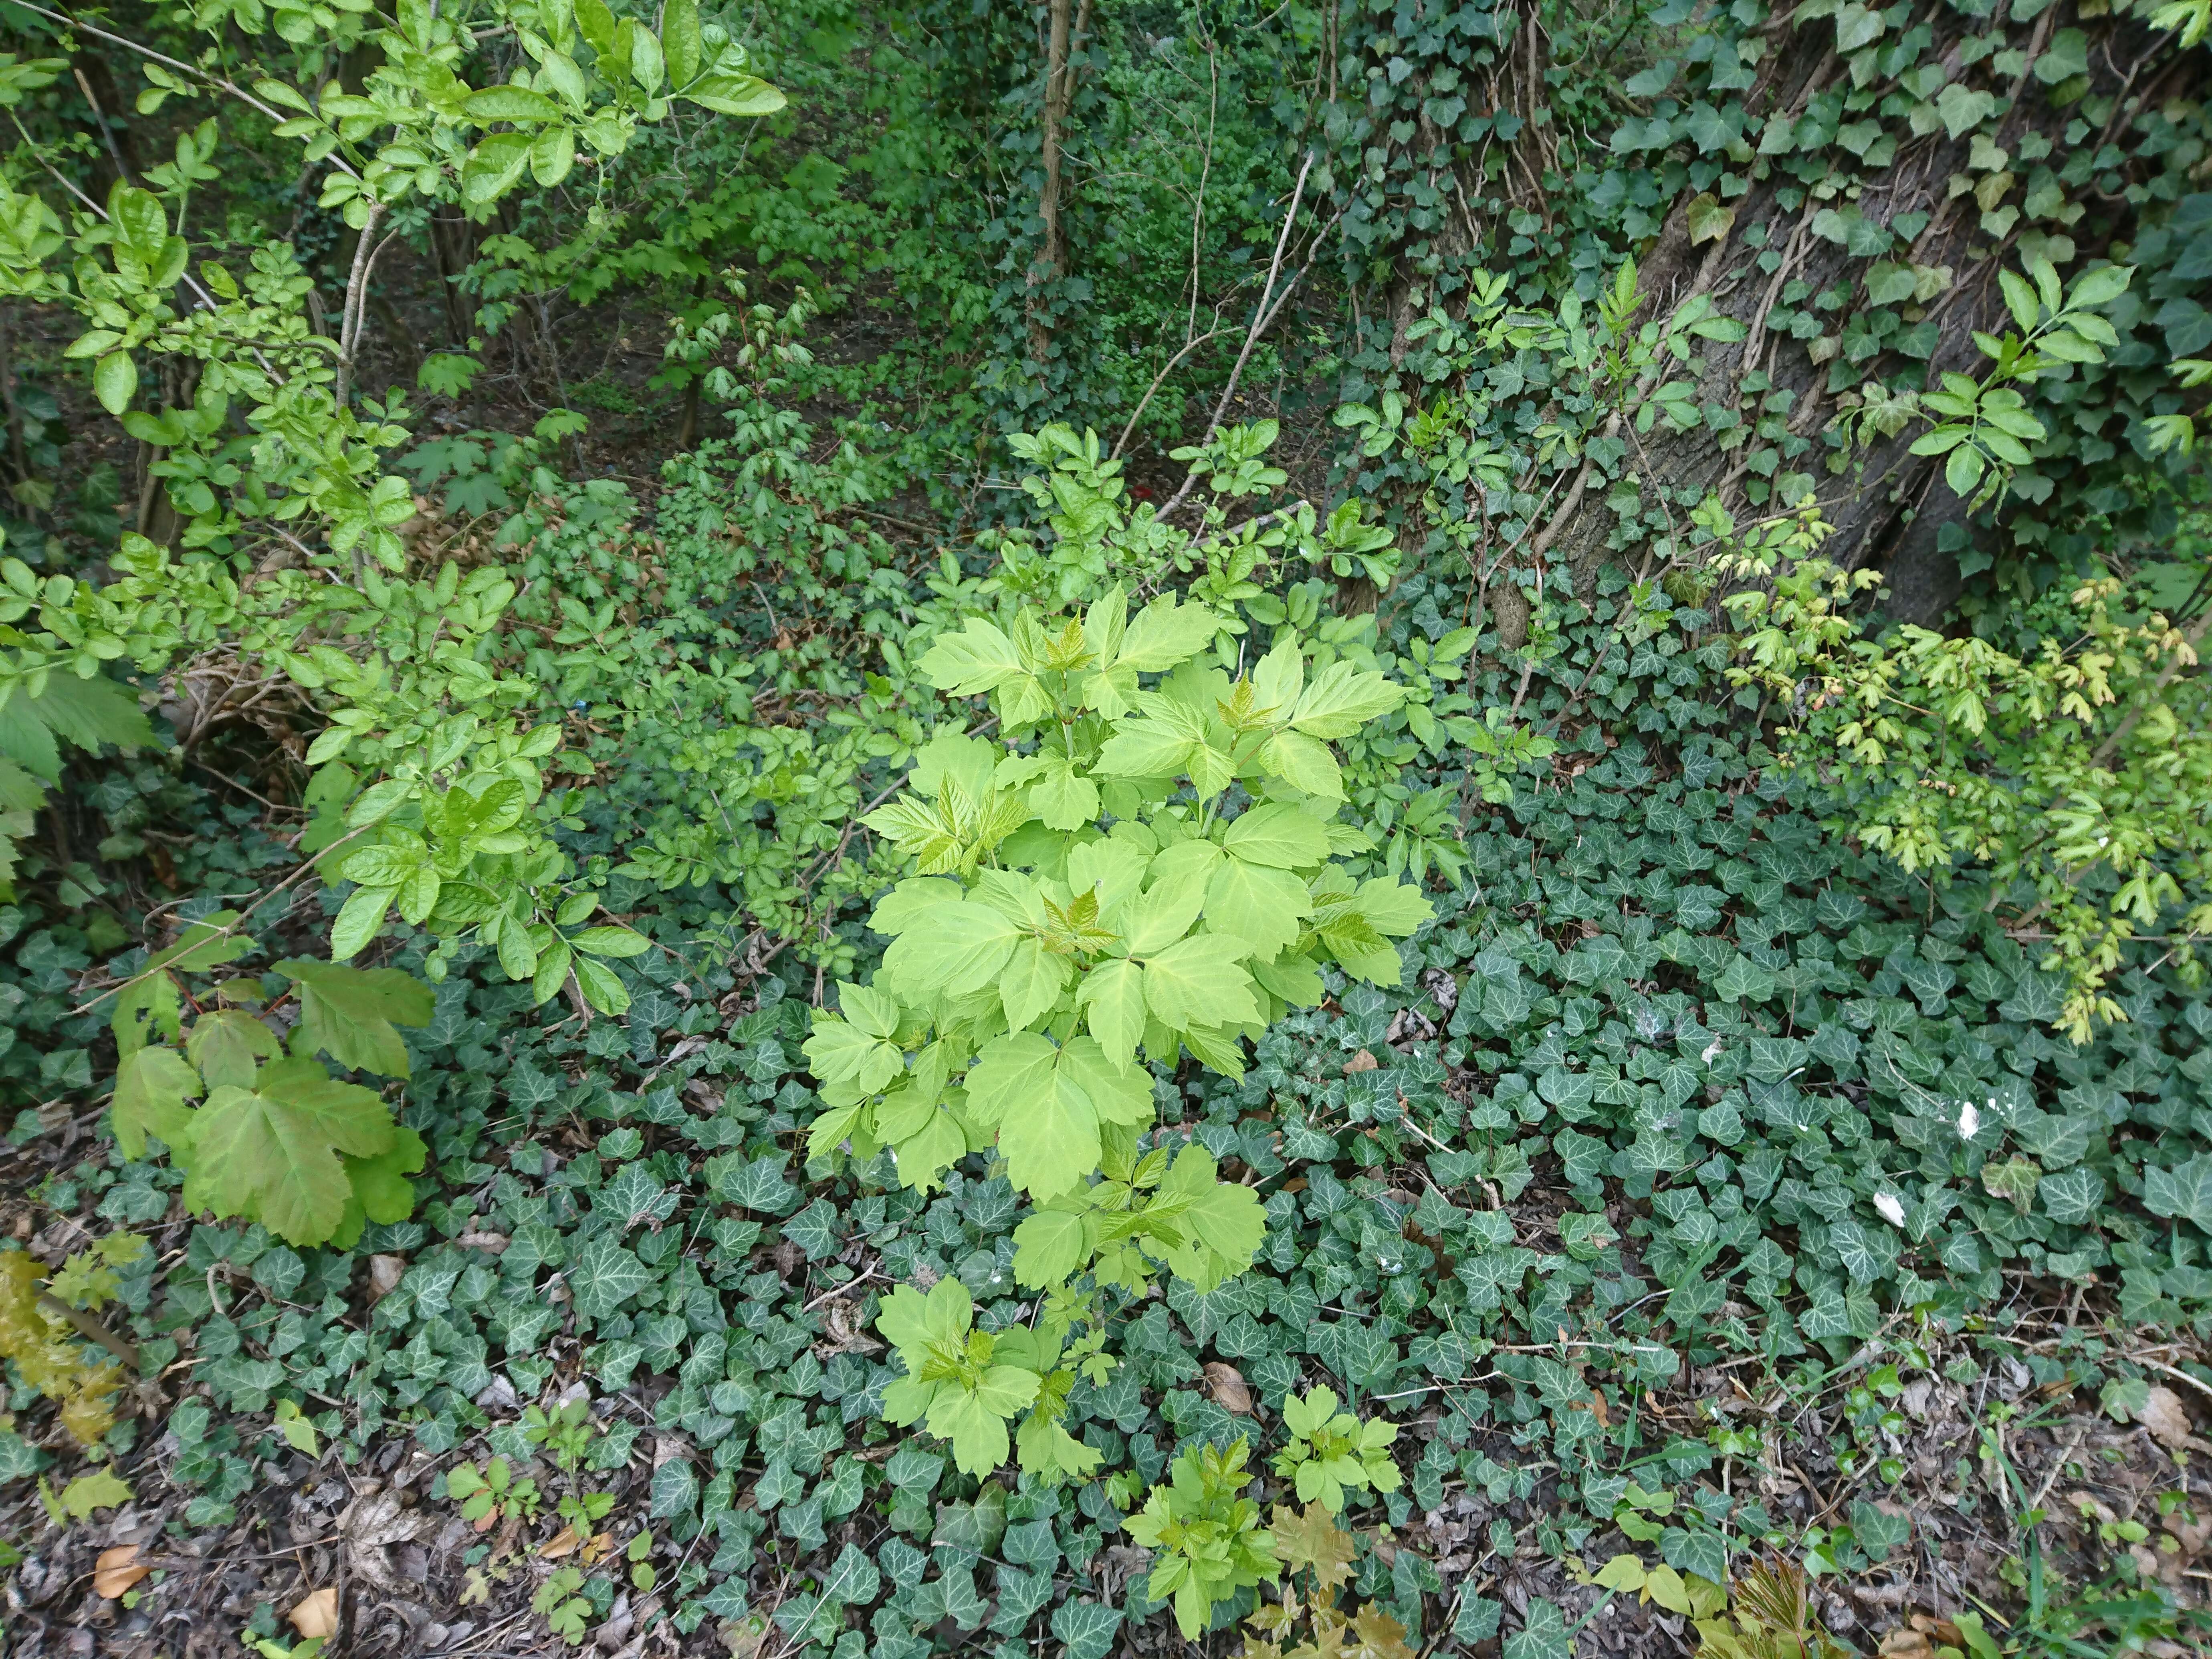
(1330, 1450)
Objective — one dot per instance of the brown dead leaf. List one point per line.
(1907, 1643)
(1598, 1408)
(384, 1275)
(376, 1525)
(1362, 1061)
(564, 1542)
(596, 1549)
(2166, 1417)
(317, 1616)
(118, 1570)
(2090, 1504)
(1226, 1383)
(744, 1637)
(846, 1331)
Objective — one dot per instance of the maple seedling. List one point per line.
(1313, 1545)
(1330, 1450)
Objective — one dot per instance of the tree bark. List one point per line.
(1051, 263)
(1889, 507)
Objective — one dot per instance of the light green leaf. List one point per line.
(1158, 917)
(1120, 1092)
(1223, 1223)
(1279, 678)
(1052, 1247)
(115, 381)
(870, 1009)
(1393, 906)
(350, 1013)
(930, 1150)
(1342, 698)
(271, 1152)
(225, 1046)
(1063, 796)
(1280, 836)
(151, 1088)
(1263, 907)
(1146, 749)
(842, 1054)
(1303, 763)
(1050, 1452)
(961, 948)
(602, 987)
(741, 95)
(1010, 1075)
(977, 1431)
(680, 43)
(510, 103)
(618, 942)
(971, 662)
(1201, 982)
(361, 916)
(381, 1191)
(101, 1489)
(1031, 983)
(1112, 996)
(1050, 1140)
(1166, 633)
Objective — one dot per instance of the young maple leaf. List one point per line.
(271, 1151)
(1312, 1542)
(1376, 1634)
(1328, 1641)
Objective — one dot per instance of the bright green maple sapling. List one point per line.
(1142, 867)
(1136, 873)
(1209, 1540)
(1330, 1450)
(965, 1384)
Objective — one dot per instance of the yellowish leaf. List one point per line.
(316, 1618)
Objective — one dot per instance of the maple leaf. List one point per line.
(1376, 1634)
(350, 1013)
(273, 1151)
(1312, 1542)
(151, 1088)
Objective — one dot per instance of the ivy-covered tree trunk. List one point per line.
(1894, 168)
(1845, 183)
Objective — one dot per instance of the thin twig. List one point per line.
(1262, 315)
(1144, 403)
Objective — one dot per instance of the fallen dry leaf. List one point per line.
(317, 1616)
(564, 1542)
(118, 1570)
(376, 1524)
(745, 1636)
(596, 1548)
(1362, 1061)
(2090, 1504)
(1905, 1643)
(2166, 1417)
(1226, 1385)
(384, 1275)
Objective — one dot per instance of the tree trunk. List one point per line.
(1891, 509)
(453, 249)
(1051, 263)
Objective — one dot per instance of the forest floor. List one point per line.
(373, 1532)
(1980, 1445)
